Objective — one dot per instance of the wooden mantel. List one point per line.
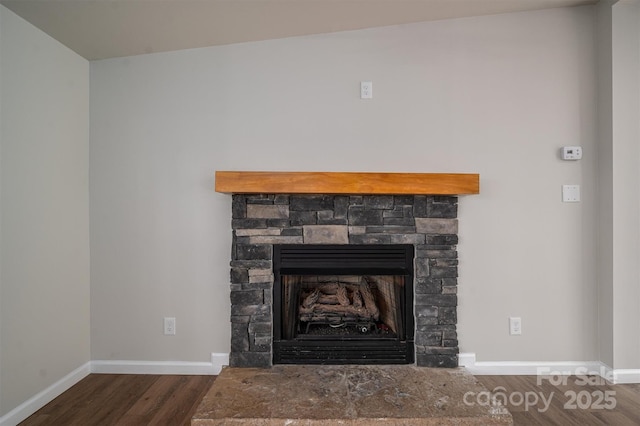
(347, 183)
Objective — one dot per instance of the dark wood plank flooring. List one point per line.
(576, 400)
(137, 400)
(131, 400)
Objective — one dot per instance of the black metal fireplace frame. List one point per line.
(332, 259)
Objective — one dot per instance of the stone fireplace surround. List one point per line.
(429, 222)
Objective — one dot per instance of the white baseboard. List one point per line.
(626, 376)
(33, 404)
(218, 360)
(533, 368)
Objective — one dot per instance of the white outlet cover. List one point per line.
(366, 90)
(515, 326)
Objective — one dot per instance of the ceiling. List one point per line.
(99, 29)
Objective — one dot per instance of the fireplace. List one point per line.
(266, 224)
(343, 304)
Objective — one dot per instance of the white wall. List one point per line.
(497, 95)
(44, 215)
(626, 176)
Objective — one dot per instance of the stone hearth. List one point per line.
(347, 395)
(427, 222)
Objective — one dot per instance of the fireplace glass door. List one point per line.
(343, 304)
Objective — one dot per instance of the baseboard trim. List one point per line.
(533, 368)
(218, 360)
(626, 376)
(33, 404)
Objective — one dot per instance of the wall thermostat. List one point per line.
(571, 152)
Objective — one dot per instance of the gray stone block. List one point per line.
(391, 229)
(281, 199)
(447, 315)
(276, 239)
(260, 343)
(397, 211)
(370, 239)
(325, 234)
(239, 275)
(400, 221)
(445, 208)
(250, 359)
(247, 297)
(450, 290)
(266, 285)
(249, 264)
(243, 319)
(440, 300)
(443, 271)
(292, 231)
(429, 338)
(311, 202)
(436, 225)
(262, 317)
(252, 310)
(403, 200)
(239, 337)
(253, 252)
(238, 207)
(248, 223)
(437, 254)
(378, 202)
(445, 262)
(257, 211)
(421, 267)
(278, 223)
(425, 323)
(438, 350)
(426, 311)
(254, 232)
(442, 240)
(449, 281)
(340, 207)
(437, 361)
(428, 285)
(260, 327)
(420, 206)
(260, 198)
(358, 216)
(299, 218)
(407, 239)
(356, 200)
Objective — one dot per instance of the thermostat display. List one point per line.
(571, 152)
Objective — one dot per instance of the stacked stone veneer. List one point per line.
(427, 222)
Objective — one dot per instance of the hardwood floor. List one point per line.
(137, 400)
(567, 400)
(131, 400)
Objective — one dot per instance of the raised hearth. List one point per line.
(348, 395)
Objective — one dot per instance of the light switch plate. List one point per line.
(571, 193)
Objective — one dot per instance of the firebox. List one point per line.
(343, 304)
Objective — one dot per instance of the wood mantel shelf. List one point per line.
(347, 183)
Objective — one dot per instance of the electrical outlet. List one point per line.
(366, 90)
(515, 326)
(169, 326)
